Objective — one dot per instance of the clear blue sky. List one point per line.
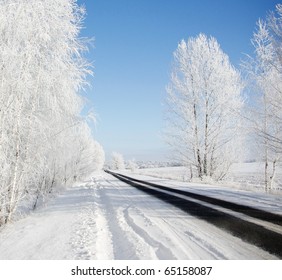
(132, 56)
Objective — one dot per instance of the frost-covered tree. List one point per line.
(132, 165)
(117, 161)
(42, 72)
(204, 101)
(88, 155)
(265, 71)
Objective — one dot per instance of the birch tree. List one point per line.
(42, 73)
(265, 71)
(117, 161)
(204, 101)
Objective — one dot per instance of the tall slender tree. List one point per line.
(42, 73)
(204, 101)
(265, 71)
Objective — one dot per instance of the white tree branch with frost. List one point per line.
(117, 161)
(265, 71)
(42, 72)
(204, 103)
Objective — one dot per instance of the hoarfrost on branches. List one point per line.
(204, 103)
(117, 161)
(264, 71)
(42, 72)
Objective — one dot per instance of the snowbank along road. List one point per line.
(106, 218)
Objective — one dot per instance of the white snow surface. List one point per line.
(105, 218)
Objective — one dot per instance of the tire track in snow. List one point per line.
(145, 246)
(159, 227)
(205, 245)
(142, 250)
(161, 251)
(229, 216)
(189, 241)
(178, 239)
(122, 246)
(165, 231)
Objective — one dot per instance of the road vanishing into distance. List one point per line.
(258, 227)
(125, 216)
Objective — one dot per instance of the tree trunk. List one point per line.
(12, 198)
(266, 174)
(205, 167)
(198, 154)
(191, 172)
(272, 177)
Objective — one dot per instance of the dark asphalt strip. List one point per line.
(247, 210)
(255, 234)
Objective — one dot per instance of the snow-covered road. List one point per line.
(106, 219)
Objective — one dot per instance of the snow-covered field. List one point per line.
(246, 176)
(104, 218)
